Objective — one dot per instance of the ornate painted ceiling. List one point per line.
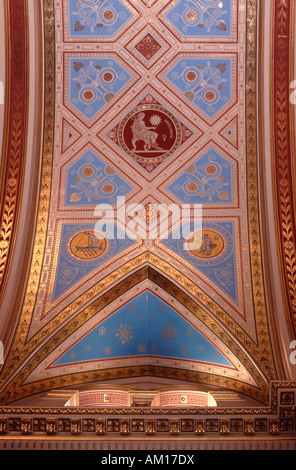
(160, 103)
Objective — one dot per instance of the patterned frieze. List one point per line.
(278, 421)
(174, 398)
(103, 398)
(111, 427)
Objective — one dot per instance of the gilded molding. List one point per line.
(282, 156)
(15, 132)
(263, 157)
(253, 193)
(44, 196)
(292, 62)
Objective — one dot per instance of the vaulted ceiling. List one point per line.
(157, 103)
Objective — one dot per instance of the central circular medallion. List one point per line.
(149, 133)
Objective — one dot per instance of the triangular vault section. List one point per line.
(144, 326)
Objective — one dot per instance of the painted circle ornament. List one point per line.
(149, 133)
(86, 245)
(207, 244)
(208, 247)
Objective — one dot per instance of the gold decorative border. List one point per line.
(21, 331)
(29, 230)
(292, 62)
(262, 156)
(262, 324)
(282, 156)
(14, 132)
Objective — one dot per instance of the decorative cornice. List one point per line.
(276, 421)
(281, 393)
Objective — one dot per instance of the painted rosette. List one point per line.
(193, 187)
(88, 94)
(191, 16)
(210, 95)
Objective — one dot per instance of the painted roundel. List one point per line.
(191, 16)
(149, 133)
(86, 245)
(207, 244)
(108, 15)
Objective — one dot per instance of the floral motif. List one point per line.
(107, 351)
(4, 244)
(224, 276)
(91, 83)
(75, 197)
(169, 333)
(201, 82)
(142, 348)
(205, 14)
(124, 333)
(208, 179)
(201, 17)
(72, 355)
(153, 349)
(92, 180)
(102, 330)
(148, 46)
(95, 83)
(12, 182)
(97, 17)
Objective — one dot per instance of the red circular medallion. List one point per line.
(149, 133)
